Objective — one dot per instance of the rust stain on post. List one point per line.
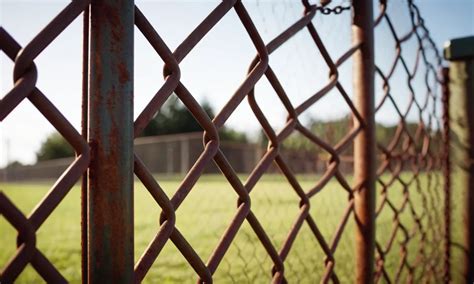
(364, 144)
(84, 130)
(110, 239)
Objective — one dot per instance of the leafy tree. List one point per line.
(333, 131)
(14, 164)
(226, 134)
(54, 147)
(174, 118)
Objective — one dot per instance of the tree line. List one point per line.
(174, 118)
(333, 131)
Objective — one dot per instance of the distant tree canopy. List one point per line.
(332, 132)
(54, 147)
(14, 164)
(174, 118)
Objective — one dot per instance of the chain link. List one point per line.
(408, 160)
(328, 10)
(334, 10)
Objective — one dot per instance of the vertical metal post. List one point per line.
(364, 144)
(84, 126)
(461, 87)
(447, 177)
(110, 195)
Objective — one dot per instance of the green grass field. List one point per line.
(204, 216)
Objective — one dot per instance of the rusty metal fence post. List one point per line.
(460, 53)
(364, 144)
(110, 187)
(84, 130)
(108, 159)
(447, 176)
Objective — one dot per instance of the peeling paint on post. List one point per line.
(110, 177)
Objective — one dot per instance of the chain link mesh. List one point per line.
(409, 179)
(25, 75)
(410, 171)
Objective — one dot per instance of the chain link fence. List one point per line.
(257, 226)
(410, 173)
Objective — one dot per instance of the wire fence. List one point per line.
(410, 174)
(259, 227)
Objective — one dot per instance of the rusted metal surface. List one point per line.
(259, 68)
(364, 144)
(168, 219)
(109, 245)
(110, 135)
(411, 162)
(84, 128)
(447, 176)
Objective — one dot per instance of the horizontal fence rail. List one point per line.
(375, 212)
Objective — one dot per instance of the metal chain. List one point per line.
(327, 10)
(334, 10)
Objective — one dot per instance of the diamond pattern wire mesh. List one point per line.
(259, 67)
(25, 75)
(409, 174)
(410, 163)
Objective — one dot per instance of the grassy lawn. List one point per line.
(202, 219)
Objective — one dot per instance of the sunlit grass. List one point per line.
(203, 218)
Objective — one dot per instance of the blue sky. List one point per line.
(216, 67)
